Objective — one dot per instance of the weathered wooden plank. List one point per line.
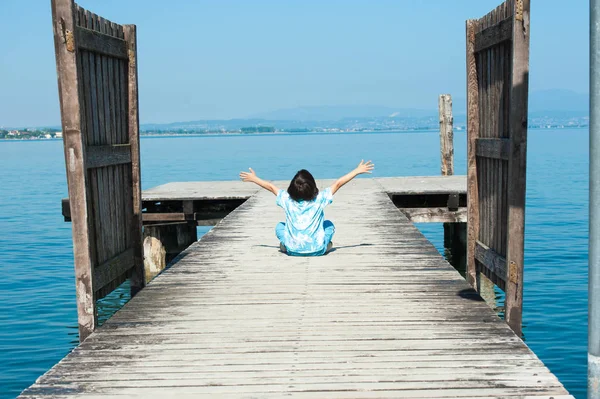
(517, 164)
(473, 117)
(494, 35)
(164, 217)
(435, 215)
(489, 259)
(110, 270)
(101, 43)
(135, 224)
(107, 155)
(70, 105)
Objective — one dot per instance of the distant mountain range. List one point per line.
(338, 112)
(542, 104)
(563, 102)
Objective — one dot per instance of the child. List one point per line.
(305, 232)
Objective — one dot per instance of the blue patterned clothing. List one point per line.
(304, 233)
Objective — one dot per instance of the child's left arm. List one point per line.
(251, 177)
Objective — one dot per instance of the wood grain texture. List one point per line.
(494, 35)
(133, 124)
(495, 148)
(446, 134)
(382, 316)
(101, 43)
(473, 117)
(435, 215)
(517, 165)
(107, 155)
(63, 21)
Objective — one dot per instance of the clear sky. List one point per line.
(231, 59)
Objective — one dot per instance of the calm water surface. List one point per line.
(38, 316)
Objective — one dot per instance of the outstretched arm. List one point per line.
(251, 177)
(363, 167)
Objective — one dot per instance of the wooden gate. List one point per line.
(497, 92)
(97, 79)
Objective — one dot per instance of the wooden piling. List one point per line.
(163, 242)
(453, 232)
(446, 134)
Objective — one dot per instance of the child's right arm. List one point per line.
(251, 177)
(363, 167)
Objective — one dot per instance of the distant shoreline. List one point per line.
(282, 133)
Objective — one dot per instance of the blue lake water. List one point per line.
(38, 316)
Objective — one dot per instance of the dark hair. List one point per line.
(303, 186)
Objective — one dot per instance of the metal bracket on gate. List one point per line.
(453, 202)
(67, 35)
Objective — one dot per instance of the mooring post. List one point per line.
(594, 204)
(453, 232)
(163, 242)
(446, 134)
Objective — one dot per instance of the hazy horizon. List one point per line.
(233, 60)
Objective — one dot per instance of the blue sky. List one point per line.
(231, 59)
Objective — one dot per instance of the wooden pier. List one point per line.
(382, 316)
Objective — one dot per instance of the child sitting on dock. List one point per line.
(305, 232)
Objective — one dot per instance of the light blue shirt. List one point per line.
(304, 233)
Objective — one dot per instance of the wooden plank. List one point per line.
(101, 43)
(86, 131)
(110, 270)
(494, 35)
(435, 215)
(473, 115)
(164, 217)
(93, 138)
(66, 65)
(107, 155)
(135, 227)
(114, 169)
(446, 134)
(493, 124)
(517, 164)
(488, 258)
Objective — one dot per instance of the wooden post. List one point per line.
(137, 276)
(517, 166)
(472, 135)
(446, 134)
(163, 242)
(64, 41)
(452, 231)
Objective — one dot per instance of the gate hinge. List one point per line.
(70, 40)
(519, 10)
